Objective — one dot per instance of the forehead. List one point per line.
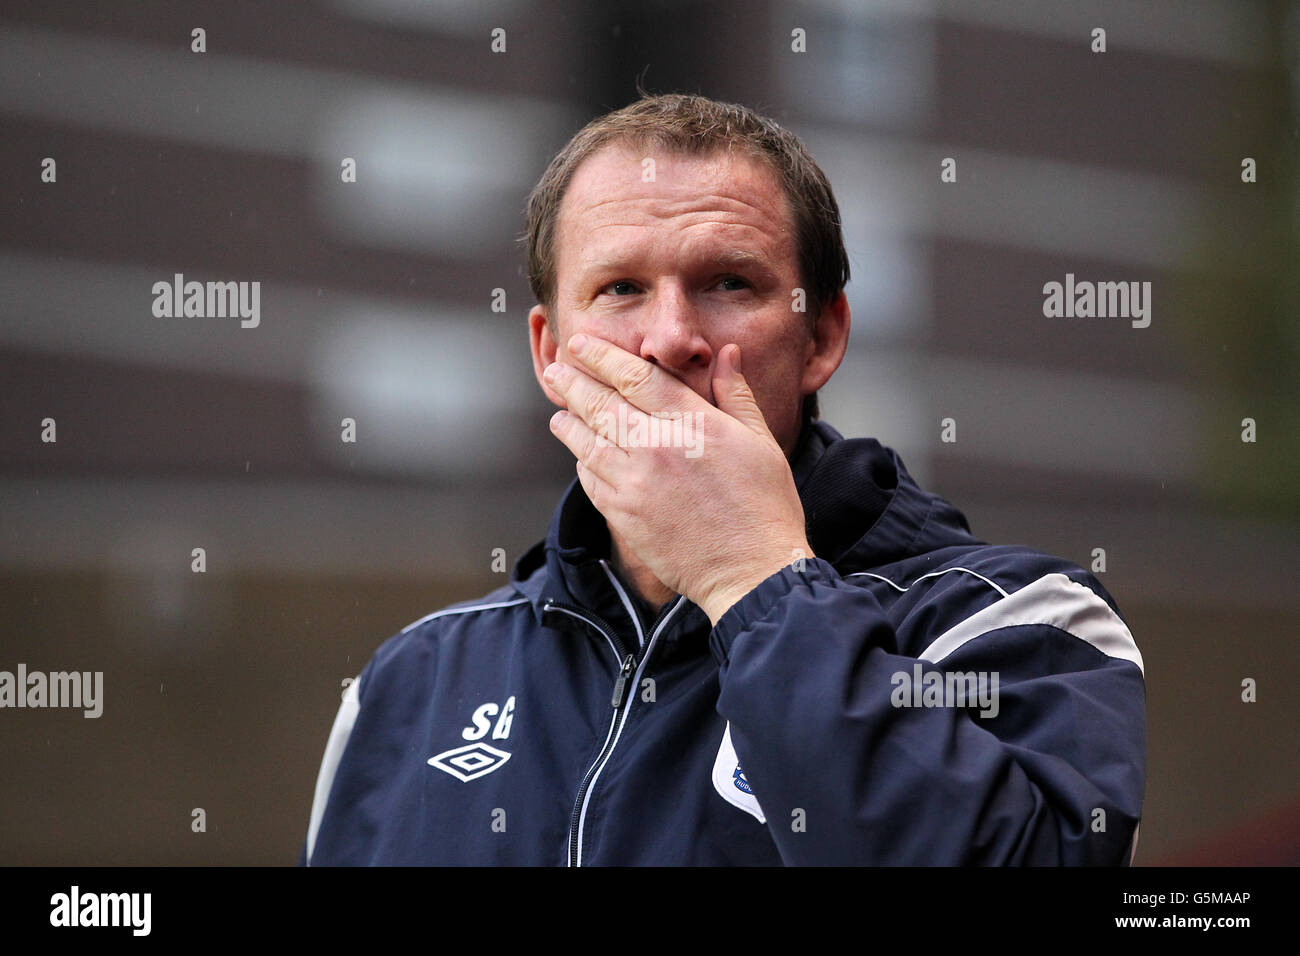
(617, 197)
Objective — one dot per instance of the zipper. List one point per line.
(622, 656)
(621, 683)
(627, 602)
(663, 613)
(621, 703)
(596, 621)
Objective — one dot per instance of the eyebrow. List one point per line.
(739, 257)
(726, 258)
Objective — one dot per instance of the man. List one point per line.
(745, 639)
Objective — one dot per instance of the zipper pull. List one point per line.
(629, 664)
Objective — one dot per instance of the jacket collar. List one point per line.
(862, 507)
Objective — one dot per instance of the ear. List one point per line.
(830, 340)
(544, 349)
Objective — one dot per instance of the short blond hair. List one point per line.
(696, 125)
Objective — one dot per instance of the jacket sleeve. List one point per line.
(855, 761)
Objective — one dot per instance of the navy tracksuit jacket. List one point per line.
(833, 716)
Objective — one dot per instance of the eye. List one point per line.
(733, 283)
(621, 287)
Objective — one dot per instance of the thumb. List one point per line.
(733, 393)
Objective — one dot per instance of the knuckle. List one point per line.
(594, 403)
(636, 377)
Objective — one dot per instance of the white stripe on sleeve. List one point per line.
(1054, 600)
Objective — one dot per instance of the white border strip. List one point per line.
(329, 765)
(932, 574)
(462, 610)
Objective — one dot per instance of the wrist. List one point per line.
(721, 598)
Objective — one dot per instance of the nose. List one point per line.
(672, 336)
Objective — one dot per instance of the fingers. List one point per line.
(648, 388)
(594, 402)
(733, 394)
(598, 458)
(598, 491)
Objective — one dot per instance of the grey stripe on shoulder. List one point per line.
(463, 610)
(1055, 600)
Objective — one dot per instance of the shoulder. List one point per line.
(467, 611)
(965, 593)
(981, 574)
(417, 646)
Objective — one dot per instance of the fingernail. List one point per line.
(578, 344)
(557, 418)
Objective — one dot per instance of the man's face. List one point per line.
(675, 268)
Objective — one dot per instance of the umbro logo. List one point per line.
(475, 760)
(470, 762)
